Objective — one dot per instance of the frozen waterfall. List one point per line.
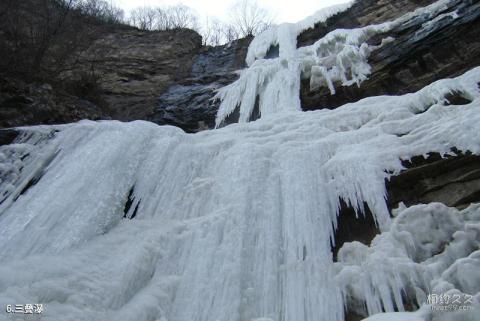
(134, 221)
(231, 224)
(339, 57)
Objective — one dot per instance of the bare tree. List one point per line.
(38, 36)
(162, 20)
(144, 18)
(230, 33)
(101, 9)
(174, 17)
(213, 32)
(249, 18)
(181, 17)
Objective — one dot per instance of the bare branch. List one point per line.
(249, 18)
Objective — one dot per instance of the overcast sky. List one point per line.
(285, 10)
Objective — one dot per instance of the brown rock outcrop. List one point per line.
(453, 180)
(134, 67)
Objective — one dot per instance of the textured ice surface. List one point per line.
(428, 249)
(339, 58)
(234, 224)
(285, 34)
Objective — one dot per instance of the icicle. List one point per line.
(341, 57)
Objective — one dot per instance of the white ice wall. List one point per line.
(233, 224)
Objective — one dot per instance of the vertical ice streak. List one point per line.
(340, 58)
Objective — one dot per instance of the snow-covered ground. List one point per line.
(133, 221)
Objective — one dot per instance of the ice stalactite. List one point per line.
(275, 82)
(339, 58)
(428, 249)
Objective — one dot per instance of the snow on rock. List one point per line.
(285, 35)
(235, 223)
(428, 249)
(341, 57)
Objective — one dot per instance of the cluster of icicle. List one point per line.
(340, 57)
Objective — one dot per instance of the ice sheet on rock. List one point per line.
(276, 82)
(285, 35)
(341, 57)
(235, 223)
(22, 162)
(428, 249)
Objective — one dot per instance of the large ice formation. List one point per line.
(134, 221)
(341, 57)
(235, 223)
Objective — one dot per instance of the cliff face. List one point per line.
(119, 76)
(169, 78)
(133, 67)
(417, 57)
(361, 13)
(188, 104)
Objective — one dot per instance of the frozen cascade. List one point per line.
(341, 57)
(235, 223)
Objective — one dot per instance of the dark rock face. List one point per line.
(352, 227)
(189, 104)
(134, 66)
(415, 59)
(7, 136)
(222, 59)
(454, 181)
(169, 78)
(30, 104)
(127, 69)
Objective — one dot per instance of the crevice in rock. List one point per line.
(355, 311)
(452, 180)
(232, 118)
(273, 52)
(7, 136)
(424, 110)
(402, 134)
(256, 110)
(23, 157)
(352, 228)
(30, 184)
(134, 214)
(353, 316)
(457, 98)
(129, 203)
(463, 203)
